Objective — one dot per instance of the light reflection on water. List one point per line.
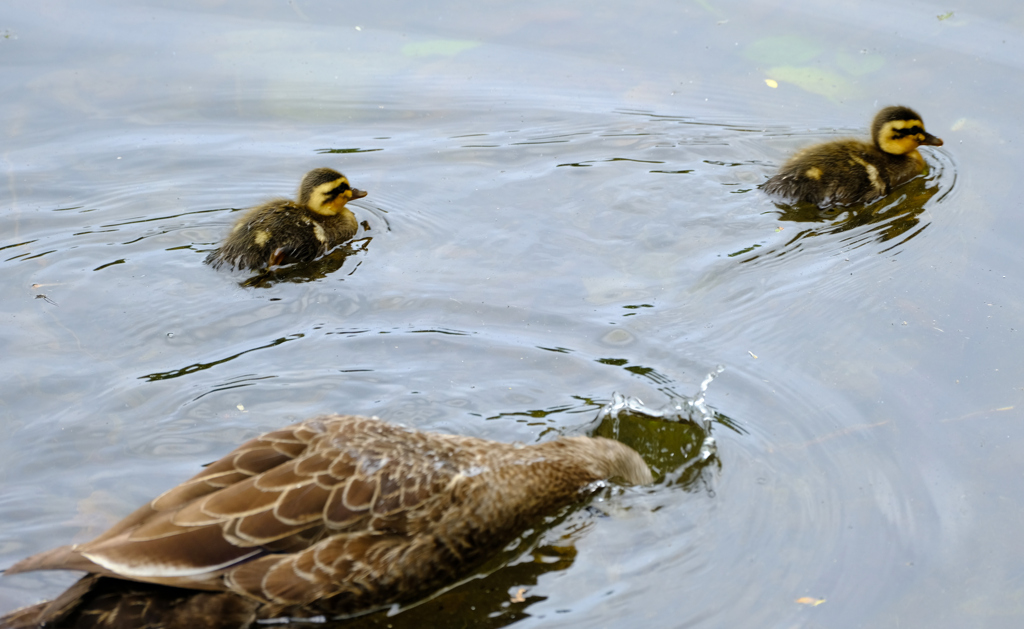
(555, 214)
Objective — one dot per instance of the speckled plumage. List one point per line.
(282, 231)
(338, 514)
(844, 172)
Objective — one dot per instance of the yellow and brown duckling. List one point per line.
(335, 515)
(845, 172)
(282, 231)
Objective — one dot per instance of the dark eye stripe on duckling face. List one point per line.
(338, 189)
(902, 133)
(903, 136)
(903, 128)
(329, 197)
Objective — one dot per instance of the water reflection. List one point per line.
(497, 599)
(309, 271)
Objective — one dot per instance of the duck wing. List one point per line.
(279, 493)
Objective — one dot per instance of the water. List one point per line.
(562, 205)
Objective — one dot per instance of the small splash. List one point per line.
(693, 410)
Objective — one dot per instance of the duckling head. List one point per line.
(899, 131)
(326, 191)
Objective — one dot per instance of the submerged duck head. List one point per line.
(326, 191)
(899, 131)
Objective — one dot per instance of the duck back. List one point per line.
(842, 173)
(282, 231)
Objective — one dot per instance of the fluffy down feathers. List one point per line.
(845, 172)
(282, 231)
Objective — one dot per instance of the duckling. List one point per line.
(281, 230)
(844, 172)
(338, 514)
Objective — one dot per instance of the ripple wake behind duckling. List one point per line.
(844, 172)
(282, 231)
(338, 515)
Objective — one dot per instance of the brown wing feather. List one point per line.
(236, 501)
(255, 462)
(60, 558)
(196, 552)
(316, 462)
(302, 505)
(337, 515)
(260, 529)
(281, 477)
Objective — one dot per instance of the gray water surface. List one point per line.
(562, 205)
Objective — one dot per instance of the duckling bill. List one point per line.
(282, 231)
(845, 172)
(338, 515)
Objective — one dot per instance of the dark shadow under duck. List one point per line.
(845, 172)
(281, 231)
(336, 515)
